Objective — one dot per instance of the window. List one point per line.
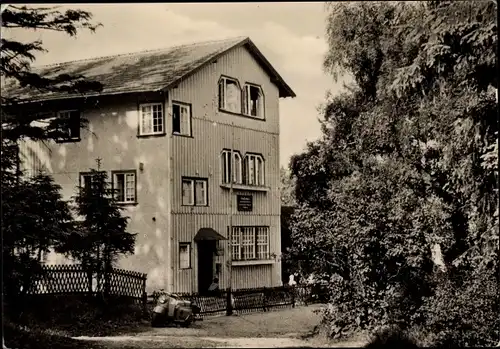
(184, 255)
(151, 119)
(227, 167)
(86, 180)
(254, 170)
(71, 125)
(229, 95)
(250, 243)
(181, 119)
(253, 101)
(194, 192)
(124, 187)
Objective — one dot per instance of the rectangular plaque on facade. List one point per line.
(244, 202)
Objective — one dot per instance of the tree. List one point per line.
(34, 219)
(286, 187)
(34, 216)
(17, 113)
(402, 188)
(101, 237)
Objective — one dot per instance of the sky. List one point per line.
(290, 35)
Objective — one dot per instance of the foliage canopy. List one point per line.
(405, 174)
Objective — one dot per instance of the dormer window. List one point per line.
(253, 101)
(71, 125)
(229, 95)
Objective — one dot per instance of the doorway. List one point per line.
(206, 249)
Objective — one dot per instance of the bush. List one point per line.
(463, 312)
(77, 315)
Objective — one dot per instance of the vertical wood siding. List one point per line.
(199, 156)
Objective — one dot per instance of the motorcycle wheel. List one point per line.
(188, 322)
(156, 320)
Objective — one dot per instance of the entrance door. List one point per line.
(205, 264)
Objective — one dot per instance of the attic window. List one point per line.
(253, 101)
(229, 95)
(70, 125)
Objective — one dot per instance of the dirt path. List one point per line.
(157, 342)
(275, 329)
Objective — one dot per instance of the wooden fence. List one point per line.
(254, 299)
(73, 279)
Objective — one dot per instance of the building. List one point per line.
(163, 128)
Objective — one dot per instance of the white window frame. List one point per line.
(247, 101)
(228, 169)
(126, 175)
(223, 99)
(188, 113)
(237, 243)
(141, 118)
(259, 231)
(188, 247)
(258, 178)
(67, 114)
(193, 182)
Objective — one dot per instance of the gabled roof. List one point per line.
(145, 71)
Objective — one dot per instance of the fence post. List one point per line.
(229, 303)
(264, 299)
(144, 294)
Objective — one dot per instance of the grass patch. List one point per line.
(74, 316)
(25, 338)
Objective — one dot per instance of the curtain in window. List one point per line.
(200, 193)
(187, 192)
(233, 101)
(146, 119)
(185, 128)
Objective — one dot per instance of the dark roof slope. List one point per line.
(145, 71)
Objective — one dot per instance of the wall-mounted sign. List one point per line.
(244, 202)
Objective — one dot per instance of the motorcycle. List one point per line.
(170, 309)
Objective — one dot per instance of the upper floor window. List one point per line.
(181, 119)
(124, 186)
(71, 125)
(194, 192)
(249, 243)
(254, 170)
(151, 119)
(234, 167)
(253, 101)
(229, 95)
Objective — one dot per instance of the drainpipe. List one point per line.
(229, 305)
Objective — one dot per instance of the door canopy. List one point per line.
(208, 234)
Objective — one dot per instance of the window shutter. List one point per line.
(222, 104)
(244, 97)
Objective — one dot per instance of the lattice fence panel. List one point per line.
(127, 283)
(70, 279)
